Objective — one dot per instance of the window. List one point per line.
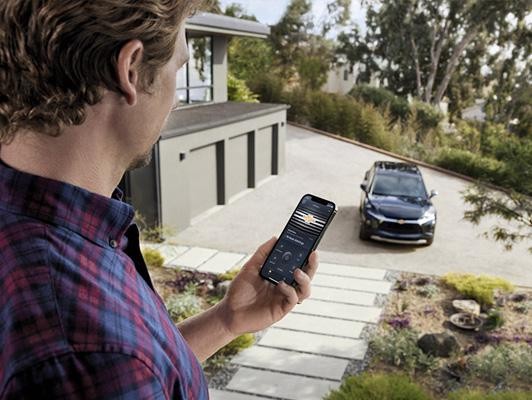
(195, 79)
(346, 74)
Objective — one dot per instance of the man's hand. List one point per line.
(252, 303)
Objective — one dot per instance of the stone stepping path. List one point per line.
(305, 355)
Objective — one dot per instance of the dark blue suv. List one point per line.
(395, 206)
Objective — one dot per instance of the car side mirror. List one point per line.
(433, 193)
(364, 187)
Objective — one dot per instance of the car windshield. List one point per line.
(398, 185)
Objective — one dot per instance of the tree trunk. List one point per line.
(418, 69)
(436, 47)
(453, 62)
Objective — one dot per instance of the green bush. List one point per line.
(382, 98)
(399, 348)
(471, 164)
(181, 306)
(268, 86)
(428, 116)
(240, 343)
(494, 320)
(229, 275)
(237, 90)
(153, 258)
(503, 364)
(478, 395)
(480, 288)
(378, 387)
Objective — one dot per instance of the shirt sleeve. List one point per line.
(86, 376)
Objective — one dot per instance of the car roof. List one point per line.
(391, 166)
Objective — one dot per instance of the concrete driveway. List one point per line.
(334, 169)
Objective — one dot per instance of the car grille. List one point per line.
(394, 227)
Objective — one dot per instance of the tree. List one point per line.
(511, 206)
(212, 6)
(419, 46)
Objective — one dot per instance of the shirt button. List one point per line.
(113, 243)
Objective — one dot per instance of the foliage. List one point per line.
(480, 288)
(478, 395)
(487, 169)
(503, 364)
(151, 233)
(382, 98)
(181, 306)
(494, 320)
(421, 47)
(249, 58)
(399, 348)
(229, 275)
(237, 90)
(268, 86)
(427, 116)
(510, 206)
(428, 291)
(236, 345)
(378, 387)
(153, 258)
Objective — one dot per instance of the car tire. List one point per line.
(363, 234)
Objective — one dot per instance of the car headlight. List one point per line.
(429, 217)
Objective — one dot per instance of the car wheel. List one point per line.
(363, 234)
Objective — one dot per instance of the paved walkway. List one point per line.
(306, 354)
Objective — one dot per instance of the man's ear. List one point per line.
(128, 70)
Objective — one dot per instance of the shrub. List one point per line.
(153, 258)
(240, 343)
(428, 116)
(476, 166)
(503, 364)
(399, 348)
(382, 98)
(229, 275)
(480, 288)
(494, 320)
(181, 306)
(478, 395)
(373, 129)
(237, 90)
(378, 387)
(269, 87)
(428, 291)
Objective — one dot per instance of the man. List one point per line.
(85, 89)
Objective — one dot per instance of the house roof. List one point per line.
(224, 25)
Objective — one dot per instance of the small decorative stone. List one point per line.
(518, 297)
(467, 306)
(438, 344)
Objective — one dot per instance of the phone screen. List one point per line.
(299, 238)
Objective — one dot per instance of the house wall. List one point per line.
(203, 170)
(219, 67)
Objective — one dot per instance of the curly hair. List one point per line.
(57, 56)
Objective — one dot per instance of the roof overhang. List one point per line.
(224, 25)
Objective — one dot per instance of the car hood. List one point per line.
(400, 207)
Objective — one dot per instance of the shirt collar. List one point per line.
(98, 218)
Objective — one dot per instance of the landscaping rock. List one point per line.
(467, 306)
(438, 344)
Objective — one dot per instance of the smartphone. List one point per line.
(299, 238)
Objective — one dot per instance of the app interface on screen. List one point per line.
(296, 242)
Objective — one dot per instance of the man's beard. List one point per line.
(140, 161)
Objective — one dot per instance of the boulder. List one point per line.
(438, 344)
(467, 306)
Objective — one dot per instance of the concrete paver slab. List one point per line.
(292, 362)
(365, 285)
(171, 252)
(338, 310)
(221, 262)
(194, 257)
(348, 270)
(323, 325)
(315, 343)
(215, 394)
(280, 385)
(343, 296)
